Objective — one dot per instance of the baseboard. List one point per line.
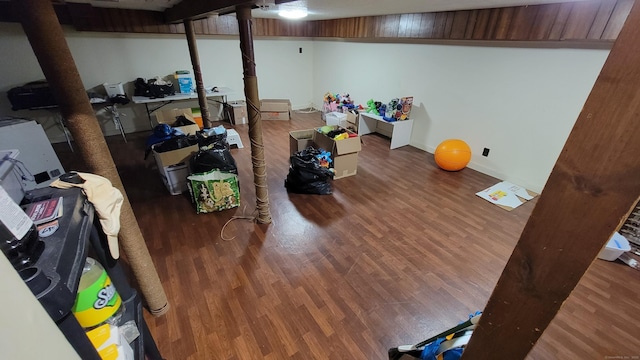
(490, 171)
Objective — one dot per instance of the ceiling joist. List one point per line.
(195, 9)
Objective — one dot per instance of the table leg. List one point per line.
(148, 115)
(60, 121)
(116, 120)
(220, 106)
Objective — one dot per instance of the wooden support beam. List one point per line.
(47, 39)
(195, 62)
(253, 113)
(192, 9)
(588, 195)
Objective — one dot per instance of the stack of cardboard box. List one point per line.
(275, 109)
(344, 152)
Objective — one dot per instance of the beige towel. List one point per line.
(106, 199)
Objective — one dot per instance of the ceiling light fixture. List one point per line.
(293, 13)
(293, 10)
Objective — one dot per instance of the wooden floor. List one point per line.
(398, 253)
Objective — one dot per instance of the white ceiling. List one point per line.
(332, 9)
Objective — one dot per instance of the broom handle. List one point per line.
(474, 320)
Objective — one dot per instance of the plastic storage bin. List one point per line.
(114, 89)
(336, 118)
(617, 245)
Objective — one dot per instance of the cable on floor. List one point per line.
(244, 216)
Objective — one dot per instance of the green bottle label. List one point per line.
(97, 303)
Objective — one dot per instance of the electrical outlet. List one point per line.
(485, 152)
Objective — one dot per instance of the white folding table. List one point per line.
(221, 92)
(400, 133)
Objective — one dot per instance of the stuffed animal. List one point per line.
(325, 158)
(371, 107)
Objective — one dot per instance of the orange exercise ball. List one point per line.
(452, 155)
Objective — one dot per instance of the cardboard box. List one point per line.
(275, 109)
(239, 112)
(197, 117)
(168, 116)
(275, 116)
(344, 153)
(276, 105)
(169, 158)
(352, 118)
(300, 140)
(174, 167)
(352, 122)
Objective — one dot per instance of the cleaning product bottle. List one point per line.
(18, 234)
(97, 301)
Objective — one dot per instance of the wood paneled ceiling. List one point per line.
(585, 23)
(328, 9)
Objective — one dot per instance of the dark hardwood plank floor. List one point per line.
(398, 253)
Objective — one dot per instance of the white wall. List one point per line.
(521, 103)
(283, 72)
(27, 332)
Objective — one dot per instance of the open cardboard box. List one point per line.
(168, 116)
(344, 152)
(300, 140)
(239, 112)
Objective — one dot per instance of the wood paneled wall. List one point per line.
(588, 20)
(595, 21)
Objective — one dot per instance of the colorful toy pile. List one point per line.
(338, 102)
(336, 134)
(394, 110)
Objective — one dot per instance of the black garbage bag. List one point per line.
(141, 88)
(213, 141)
(207, 160)
(150, 89)
(307, 176)
(176, 142)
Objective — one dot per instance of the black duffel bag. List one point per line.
(33, 95)
(151, 90)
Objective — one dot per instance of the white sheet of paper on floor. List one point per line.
(506, 195)
(518, 190)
